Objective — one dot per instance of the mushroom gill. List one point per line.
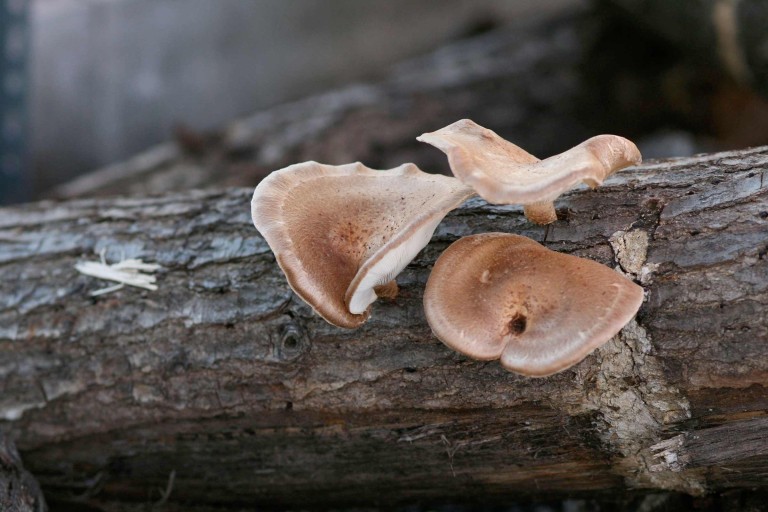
(339, 233)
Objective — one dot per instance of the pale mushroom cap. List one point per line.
(498, 295)
(503, 173)
(340, 228)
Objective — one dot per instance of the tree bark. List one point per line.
(19, 491)
(225, 380)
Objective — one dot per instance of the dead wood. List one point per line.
(227, 381)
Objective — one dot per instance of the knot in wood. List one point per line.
(292, 342)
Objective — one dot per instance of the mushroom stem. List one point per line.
(541, 213)
(387, 290)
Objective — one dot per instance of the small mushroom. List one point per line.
(503, 173)
(498, 295)
(340, 233)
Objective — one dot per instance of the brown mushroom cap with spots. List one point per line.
(498, 295)
(339, 233)
(503, 173)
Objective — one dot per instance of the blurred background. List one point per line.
(101, 97)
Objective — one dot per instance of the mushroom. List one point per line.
(340, 233)
(503, 173)
(498, 295)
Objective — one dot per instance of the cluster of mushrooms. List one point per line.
(341, 234)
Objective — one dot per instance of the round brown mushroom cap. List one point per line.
(498, 295)
(503, 173)
(332, 227)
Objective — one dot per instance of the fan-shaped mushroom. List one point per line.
(503, 173)
(339, 232)
(498, 295)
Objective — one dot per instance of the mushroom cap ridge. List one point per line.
(503, 173)
(498, 295)
(329, 226)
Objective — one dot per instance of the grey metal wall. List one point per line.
(112, 77)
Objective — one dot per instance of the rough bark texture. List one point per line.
(224, 383)
(19, 492)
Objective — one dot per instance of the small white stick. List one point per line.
(126, 272)
(165, 494)
(109, 272)
(108, 289)
(137, 265)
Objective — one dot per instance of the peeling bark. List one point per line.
(225, 378)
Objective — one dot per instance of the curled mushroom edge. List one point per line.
(341, 234)
(503, 173)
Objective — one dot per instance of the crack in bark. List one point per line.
(635, 414)
(636, 404)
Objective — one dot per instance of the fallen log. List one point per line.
(545, 83)
(225, 385)
(521, 81)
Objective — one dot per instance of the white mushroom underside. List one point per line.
(392, 261)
